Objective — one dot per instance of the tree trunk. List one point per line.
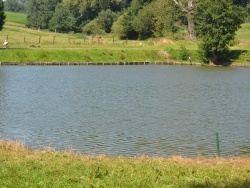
(191, 34)
(215, 58)
(189, 10)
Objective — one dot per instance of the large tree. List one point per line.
(40, 12)
(62, 20)
(2, 15)
(124, 24)
(215, 24)
(157, 18)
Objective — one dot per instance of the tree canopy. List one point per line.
(215, 24)
(129, 19)
(62, 19)
(2, 15)
(40, 12)
(16, 5)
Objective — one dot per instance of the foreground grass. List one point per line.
(21, 167)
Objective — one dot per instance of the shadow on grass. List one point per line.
(234, 184)
(228, 58)
(235, 54)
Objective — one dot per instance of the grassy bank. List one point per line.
(79, 55)
(30, 45)
(21, 167)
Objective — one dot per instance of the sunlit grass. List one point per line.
(16, 17)
(244, 32)
(22, 167)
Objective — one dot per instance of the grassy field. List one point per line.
(16, 17)
(29, 45)
(21, 167)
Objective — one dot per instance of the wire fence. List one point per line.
(59, 40)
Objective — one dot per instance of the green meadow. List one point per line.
(35, 45)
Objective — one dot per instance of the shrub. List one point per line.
(184, 54)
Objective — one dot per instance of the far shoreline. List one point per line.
(116, 63)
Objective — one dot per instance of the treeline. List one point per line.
(132, 19)
(129, 19)
(16, 5)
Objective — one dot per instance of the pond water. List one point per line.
(127, 110)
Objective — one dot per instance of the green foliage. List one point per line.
(243, 3)
(62, 20)
(144, 22)
(40, 12)
(118, 27)
(124, 25)
(16, 5)
(82, 11)
(2, 15)
(248, 12)
(248, 8)
(105, 19)
(184, 54)
(93, 27)
(103, 10)
(148, 19)
(137, 18)
(167, 17)
(216, 28)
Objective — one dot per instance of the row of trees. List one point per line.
(74, 15)
(2, 15)
(131, 19)
(16, 5)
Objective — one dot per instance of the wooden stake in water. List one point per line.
(218, 144)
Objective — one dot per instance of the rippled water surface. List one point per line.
(127, 110)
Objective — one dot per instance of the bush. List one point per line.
(93, 28)
(184, 54)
